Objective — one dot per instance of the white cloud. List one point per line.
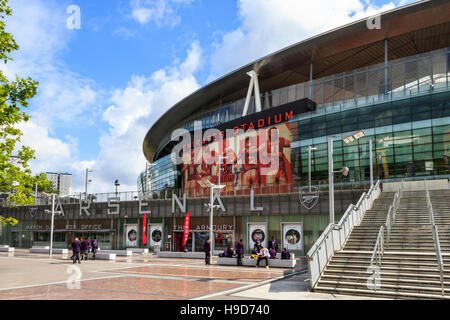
(270, 25)
(133, 110)
(162, 12)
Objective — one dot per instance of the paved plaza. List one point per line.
(31, 276)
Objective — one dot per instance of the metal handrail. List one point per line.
(437, 245)
(378, 250)
(337, 233)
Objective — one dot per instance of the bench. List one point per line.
(176, 254)
(126, 253)
(6, 248)
(138, 250)
(250, 262)
(43, 250)
(102, 256)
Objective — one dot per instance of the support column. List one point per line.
(330, 179)
(385, 66)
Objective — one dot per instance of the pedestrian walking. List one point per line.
(239, 252)
(84, 249)
(94, 247)
(76, 248)
(207, 249)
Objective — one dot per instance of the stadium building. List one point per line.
(385, 78)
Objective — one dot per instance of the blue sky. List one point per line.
(103, 85)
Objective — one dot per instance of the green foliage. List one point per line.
(4, 221)
(43, 184)
(15, 174)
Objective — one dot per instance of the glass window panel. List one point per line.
(423, 156)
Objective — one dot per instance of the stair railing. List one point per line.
(335, 235)
(382, 240)
(378, 250)
(392, 212)
(437, 245)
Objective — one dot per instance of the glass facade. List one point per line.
(160, 175)
(411, 138)
(403, 106)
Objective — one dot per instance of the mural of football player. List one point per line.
(250, 167)
(281, 173)
(190, 174)
(228, 166)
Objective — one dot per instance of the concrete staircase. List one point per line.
(409, 268)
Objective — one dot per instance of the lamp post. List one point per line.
(116, 183)
(86, 182)
(52, 212)
(344, 171)
(211, 206)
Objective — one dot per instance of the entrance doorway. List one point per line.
(179, 242)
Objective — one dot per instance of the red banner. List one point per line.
(144, 230)
(186, 229)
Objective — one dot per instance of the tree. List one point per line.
(16, 179)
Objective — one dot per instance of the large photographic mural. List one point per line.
(254, 159)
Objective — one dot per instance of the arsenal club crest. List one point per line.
(32, 211)
(309, 196)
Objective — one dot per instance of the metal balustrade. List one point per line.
(335, 235)
(382, 239)
(437, 245)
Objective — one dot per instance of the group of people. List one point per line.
(259, 252)
(81, 248)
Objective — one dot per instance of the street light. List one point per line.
(208, 184)
(344, 171)
(52, 212)
(116, 183)
(86, 182)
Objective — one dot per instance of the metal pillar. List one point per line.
(371, 163)
(385, 66)
(310, 80)
(51, 227)
(330, 179)
(211, 210)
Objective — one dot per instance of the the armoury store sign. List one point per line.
(202, 227)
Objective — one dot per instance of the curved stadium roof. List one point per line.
(416, 28)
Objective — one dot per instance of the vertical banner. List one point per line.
(144, 230)
(186, 229)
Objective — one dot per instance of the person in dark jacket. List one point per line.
(84, 249)
(94, 247)
(230, 252)
(255, 249)
(272, 253)
(76, 248)
(273, 244)
(207, 250)
(240, 252)
(285, 254)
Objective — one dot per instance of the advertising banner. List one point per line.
(257, 233)
(186, 229)
(247, 160)
(292, 236)
(131, 235)
(144, 230)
